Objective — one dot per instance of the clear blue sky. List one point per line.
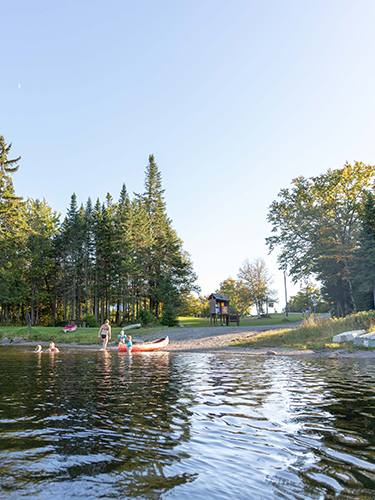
(234, 99)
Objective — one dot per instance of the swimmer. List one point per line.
(129, 345)
(52, 348)
(38, 348)
(122, 337)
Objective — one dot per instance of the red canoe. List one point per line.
(146, 346)
(69, 328)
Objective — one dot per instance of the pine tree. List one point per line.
(39, 259)
(169, 271)
(13, 230)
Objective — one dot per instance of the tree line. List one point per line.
(114, 258)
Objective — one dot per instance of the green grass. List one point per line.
(90, 335)
(55, 334)
(312, 334)
(276, 319)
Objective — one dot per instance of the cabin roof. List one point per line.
(217, 296)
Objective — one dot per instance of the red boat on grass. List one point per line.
(145, 346)
(69, 328)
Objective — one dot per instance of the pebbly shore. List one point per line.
(214, 340)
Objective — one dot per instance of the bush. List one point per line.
(146, 317)
(169, 317)
(90, 320)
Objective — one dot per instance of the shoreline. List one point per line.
(212, 340)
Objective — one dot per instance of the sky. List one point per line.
(234, 99)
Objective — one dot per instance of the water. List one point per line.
(90, 424)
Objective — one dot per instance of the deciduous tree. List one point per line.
(316, 225)
(257, 279)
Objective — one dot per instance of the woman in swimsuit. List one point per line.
(105, 333)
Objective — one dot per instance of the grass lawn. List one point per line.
(276, 319)
(55, 334)
(90, 335)
(311, 334)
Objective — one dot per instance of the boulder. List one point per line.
(18, 340)
(5, 341)
(333, 355)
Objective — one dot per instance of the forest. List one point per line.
(121, 260)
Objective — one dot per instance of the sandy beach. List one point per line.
(216, 340)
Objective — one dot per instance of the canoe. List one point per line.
(146, 346)
(69, 328)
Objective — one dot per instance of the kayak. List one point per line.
(69, 328)
(146, 346)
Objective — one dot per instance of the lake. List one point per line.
(94, 424)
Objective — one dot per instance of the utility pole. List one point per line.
(314, 304)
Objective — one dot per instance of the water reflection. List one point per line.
(108, 425)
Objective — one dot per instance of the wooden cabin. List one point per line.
(219, 310)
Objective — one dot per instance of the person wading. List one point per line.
(105, 333)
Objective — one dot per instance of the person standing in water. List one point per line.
(129, 345)
(105, 333)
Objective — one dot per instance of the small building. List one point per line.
(219, 308)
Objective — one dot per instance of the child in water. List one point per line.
(52, 348)
(122, 337)
(129, 345)
(38, 348)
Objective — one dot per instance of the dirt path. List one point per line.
(211, 338)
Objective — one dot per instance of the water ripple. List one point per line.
(104, 425)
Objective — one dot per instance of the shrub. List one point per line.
(169, 317)
(90, 320)
(146, 317)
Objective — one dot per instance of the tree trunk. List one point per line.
(53, 310)
(64, 299)
(124, 308)
(117, 312)
(351, 296)
(96, 300)
(32, 309)
(133, 307)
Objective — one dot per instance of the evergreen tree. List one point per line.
(39, 256)
(169, 270)
(122, 246)
(13, 231)
(11, 219)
